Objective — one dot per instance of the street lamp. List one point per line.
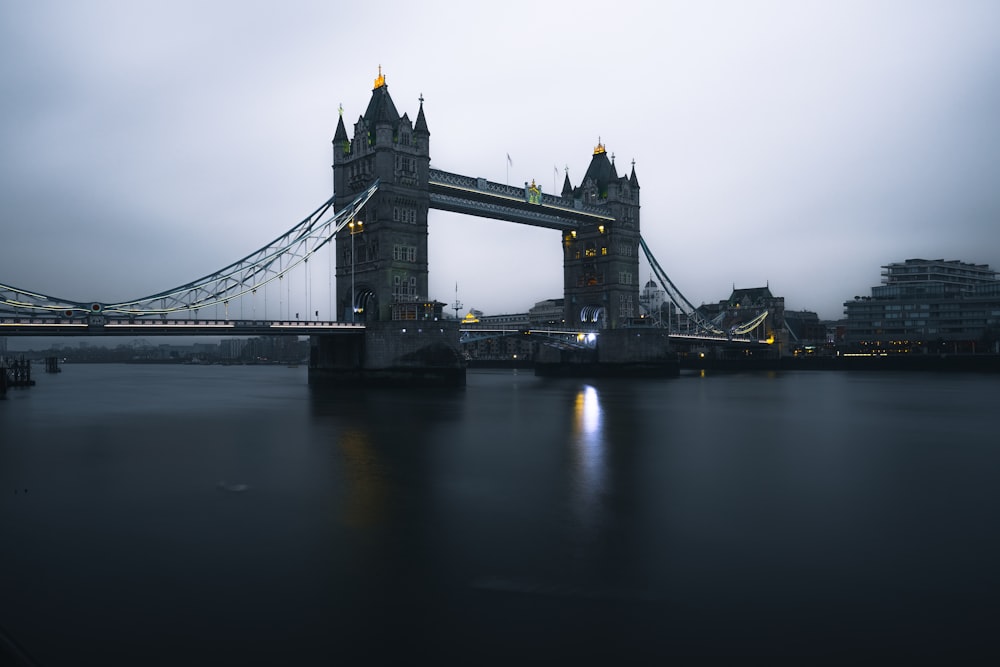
(354, 227)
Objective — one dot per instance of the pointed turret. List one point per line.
(567, 190)
(632, 179)
(600, 170)
(381, 108)
(340, 136)
(421, 125)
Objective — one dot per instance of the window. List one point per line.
(404, 210)
(404, 288)
(626, 308)
(404, 253)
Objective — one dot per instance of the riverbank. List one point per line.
(979, 363)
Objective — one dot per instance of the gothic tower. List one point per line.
(601, 261)
(382, 257)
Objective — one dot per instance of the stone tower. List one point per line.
(601, 261)
(382, 258)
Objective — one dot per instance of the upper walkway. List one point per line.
(483, 198)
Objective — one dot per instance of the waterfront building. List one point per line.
(231, 349)
(547, 313)
(805, 327)
(928, 305)
(515, 321)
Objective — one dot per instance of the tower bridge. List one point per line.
(377, 219)
(386, 267)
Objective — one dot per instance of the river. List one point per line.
(167, 514)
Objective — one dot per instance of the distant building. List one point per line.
(651, 299)
(928, 305)
(231, 349)
(3, 345)
(804, 326)
(744, 306)
(547, 313)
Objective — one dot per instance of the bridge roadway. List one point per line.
(102, 325)
(111, 326)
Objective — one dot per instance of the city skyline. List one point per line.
(797, 146)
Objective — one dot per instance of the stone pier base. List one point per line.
(396, 353)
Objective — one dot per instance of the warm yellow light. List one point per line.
(601, 228)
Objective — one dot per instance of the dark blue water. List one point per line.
(235, 515)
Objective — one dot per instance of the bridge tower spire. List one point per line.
(389, 259)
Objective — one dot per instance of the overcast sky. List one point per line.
(797, 144)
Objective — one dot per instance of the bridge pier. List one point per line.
(393, 353)
(636, 352)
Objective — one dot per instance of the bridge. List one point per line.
(373, 234)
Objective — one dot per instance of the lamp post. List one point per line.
(354, 227)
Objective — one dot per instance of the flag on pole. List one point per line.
(510, 163)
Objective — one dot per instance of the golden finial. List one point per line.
(380, 81)
(599, 148)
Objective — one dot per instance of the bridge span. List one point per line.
(114, 326)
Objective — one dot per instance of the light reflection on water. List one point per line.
(588, 442)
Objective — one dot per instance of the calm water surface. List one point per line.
(236, 515)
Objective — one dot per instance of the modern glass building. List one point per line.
(927, 305)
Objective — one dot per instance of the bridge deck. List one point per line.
(36, 326)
